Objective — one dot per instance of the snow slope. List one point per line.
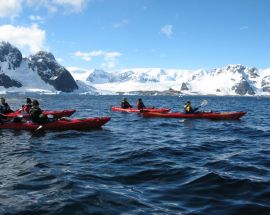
(30, 80)
(230, 80)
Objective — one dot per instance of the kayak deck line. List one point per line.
(56, 113)
(134, 110)
(60, 124)
(199, 115)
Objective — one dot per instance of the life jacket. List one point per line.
(140, 105)
(26, 108)
(37, 116)
(188, 108)
(125, 105)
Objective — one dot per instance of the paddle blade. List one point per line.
(39, 128)
(204, 103)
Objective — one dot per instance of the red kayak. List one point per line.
(199, 115)
(56, 113)
(61, 124)
(134, 110)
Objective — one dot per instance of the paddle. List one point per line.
(38, 128)
(203, 103)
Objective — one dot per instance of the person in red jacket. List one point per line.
(28, 106)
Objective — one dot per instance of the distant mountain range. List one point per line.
(230, 80)
(42, 73)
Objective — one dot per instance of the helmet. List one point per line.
(35, 103)
(28, 101)
(188, 102)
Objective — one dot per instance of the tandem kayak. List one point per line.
(56, 113)
(134, 110)
(199, 115)
(60, 124)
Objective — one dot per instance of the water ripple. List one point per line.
(136, 165)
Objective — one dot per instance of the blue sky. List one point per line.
(116, 34)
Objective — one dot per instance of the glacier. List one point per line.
(230, 80)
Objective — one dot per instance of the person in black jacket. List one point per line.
(4, 107)
(125, 104)
(3, 119)
(140, 104)
(188, 108)
(36, 114)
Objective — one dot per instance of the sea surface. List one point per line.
(137, 165)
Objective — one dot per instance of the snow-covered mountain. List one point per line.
(230, 80)
(38, 73)
(42, 73)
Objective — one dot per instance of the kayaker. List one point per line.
(36, 114)
(188, 108)
(125, 104)
(27, 107)
(3, 119)
(140, 104)
(4, 107)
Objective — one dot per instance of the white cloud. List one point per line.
(120, 24)
(60, 60)
(87, 56)
(36, 18)
(244, 28)
(110, 58)
(28, 39)
(163, 55)
(10, 8)
(167, 30)
(74, 3)
(57, 5)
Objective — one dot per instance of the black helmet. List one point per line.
(188, 102)
(28, 101)
(35, 102)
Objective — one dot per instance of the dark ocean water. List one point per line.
(136, 165)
